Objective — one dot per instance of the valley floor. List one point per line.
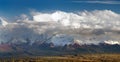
(67, 58)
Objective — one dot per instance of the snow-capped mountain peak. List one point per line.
(112, 42)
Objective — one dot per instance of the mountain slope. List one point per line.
(49, 49)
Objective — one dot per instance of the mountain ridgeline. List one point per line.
(49, 49)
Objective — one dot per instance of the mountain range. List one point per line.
(49, 49)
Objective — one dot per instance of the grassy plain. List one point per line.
(66, 58)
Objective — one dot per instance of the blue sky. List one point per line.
(10, 8)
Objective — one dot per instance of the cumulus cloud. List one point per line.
(3, 22)
(62, 28)
(23, 17)
(96, 19)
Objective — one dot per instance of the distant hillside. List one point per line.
(49, 49)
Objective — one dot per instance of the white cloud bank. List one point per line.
(52, 26)
(93, 19)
